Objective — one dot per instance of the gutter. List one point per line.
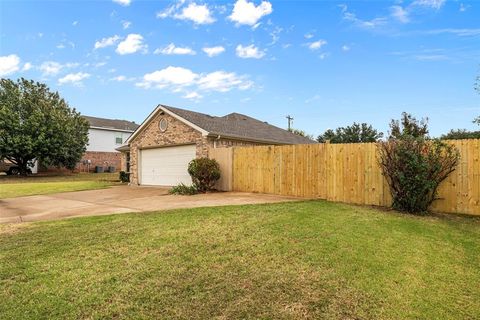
(240, 138)
(111, 129)
(124, 148)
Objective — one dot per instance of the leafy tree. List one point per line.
(36, 123)
(415, 165)
(408, 125)
(357, 132)
(301, 133)
(461, 134)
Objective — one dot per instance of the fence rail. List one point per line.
(341, 172)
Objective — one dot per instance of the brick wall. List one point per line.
(102, 159)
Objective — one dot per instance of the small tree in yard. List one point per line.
(36, 123)
(204, 172)
(415, 165)
(301, 133)
(356, 133)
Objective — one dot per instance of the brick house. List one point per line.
(104, 136)
(158, 152)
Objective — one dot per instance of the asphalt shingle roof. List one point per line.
(111, 123)
(240, 126)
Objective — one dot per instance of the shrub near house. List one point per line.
(204, 172)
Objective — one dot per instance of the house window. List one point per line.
(163, 124)
(118, 140)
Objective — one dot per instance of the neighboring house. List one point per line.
(104, 136)
(159, 151)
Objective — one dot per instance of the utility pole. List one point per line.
(290, 120)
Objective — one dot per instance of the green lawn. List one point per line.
(34, 185)
(310, 259)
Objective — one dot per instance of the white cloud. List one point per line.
(133, 43)
(126, 25)
(400, 14)
(171, 49)
(368, 24)
(247, 13)
(345, 48)
(74, 23)
(434, 4)
(119, 78)
(222, 81)
(323, 55)
(27, 66)
(213, 51)
(249, 52)
(9, 64)
(457, 32)
(170, 76)
(99, 64)
(463, 7)
(316, 44)
(50, 68)
(275, 34)
(178, 79)
(430, 57)
(74, 78)
(198, 13)
(106, 42)
(308, 36)
(193, 95)
(124, 3)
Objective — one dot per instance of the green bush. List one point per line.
(124, 176)
(414, 168)
(204, 172)
(183, 189)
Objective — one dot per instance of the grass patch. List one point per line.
(35, 185)
(311, 259)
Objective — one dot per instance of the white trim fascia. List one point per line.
(150, 116)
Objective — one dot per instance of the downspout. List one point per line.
(215, 141)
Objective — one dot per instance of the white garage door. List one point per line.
(166, 166)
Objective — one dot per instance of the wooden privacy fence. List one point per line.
(340, 172)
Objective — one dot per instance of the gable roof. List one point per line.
(111, 124)
(234, 125)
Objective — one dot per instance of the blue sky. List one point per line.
(326, 63)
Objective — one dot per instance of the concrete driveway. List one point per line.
(118, 199)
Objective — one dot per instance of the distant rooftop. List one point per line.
(112, 123)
